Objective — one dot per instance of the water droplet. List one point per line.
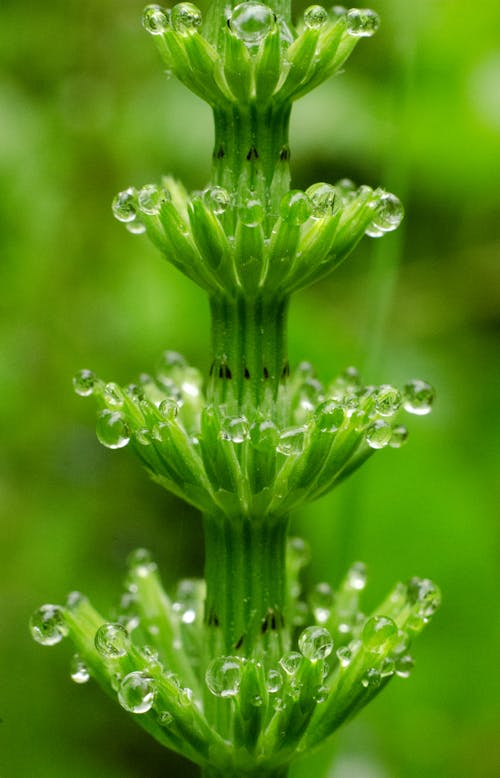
(251, 22)
(378, 632)
(387, 400)
(165, 718)
(113, 396)
(48, 626)
(169, 409)
(111, 641)
(74, 600)
(388, 215)
(346, 189)
(295, 207)
(111, 429)
(362, 22)
(155, 19)
(322, 198)
(387, 667)
(223, 676)
(137, 692)
(137, 227)
(217, 199)
(418, 397)
(150, 199)
(321, 602)
(329, 416)
(143, 436)
(425, 595)
(141, 563)
(356, 576)
(291, 662)
(274, 681)
(321, 694)
(292, 441)
(264, 435)
(170, 362)
(403, 666)
(186, 18)
(79, 670)
(378, 434)
(316, 643)
(235, 429)
(344, 655)
(251, 212)
(371, 678)
(315, 17)
(124, 205)
(399, 437)
(84, 383)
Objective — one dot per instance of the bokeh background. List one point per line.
(85, 111)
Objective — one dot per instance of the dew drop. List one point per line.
(371, 678)
(387, 667)
(418, 397)
(291, 662)
(251, 212)
(425, 595)
(388, 215)
(387, 400)
(321, 602)
(79, 670)
(113, 396)
(48, 626)
(322, 198)
(344, 655)
(251, 22)
(84, 383)
(140, 562)
(346, 189)
(403, 666)
(295, 207)
(143, 436)
(217, 199)
(150, 199)
(186, 18)
(74, 600)
(124, 205)
(235, 429)
(137, 692)
(111, 641)
(274, 681)
(378, 434)
(137, 227)
(264, 435)
(315, 17)
(362, 22)
(165, 719)
(378, 632)
(155, 19)
(169, 362)
(315, 643)
(223, 676)
(399, 437)
(292, 441)
(111, 429)
(329, 416)
(169, 409)
(356, 576)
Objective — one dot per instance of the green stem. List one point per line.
(249, 350)
(245, 575)
(259, 772)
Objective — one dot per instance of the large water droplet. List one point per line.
(137, 227)
(291, 662)
(378, 434)
(387, 400)
(344, 655)
(274, 681)
(186, 18)
(292, 441)
(124, 205)
(264, 435)
(84, 383)
(155, 19)
(223, 676)
(399, 437)
(111, 641)
(113, 396)
(79, 670)
(377, 633)
(388, 215)
(362, 22)
(316, 643)
(169, 409)
(295, 207)
(235, 429)
(418, 397)
(150, 199)
(48, 626)
(111, 429)
(425, 595)
(403, 666)
(137, 692)
(315, 17)
(251, 212)
(217, 199)
(251, 22)
(329, 416)
(322, 197)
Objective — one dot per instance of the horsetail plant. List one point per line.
(241, 672)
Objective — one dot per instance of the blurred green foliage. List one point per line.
(84, 112)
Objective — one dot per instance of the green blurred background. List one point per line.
(84, 112)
